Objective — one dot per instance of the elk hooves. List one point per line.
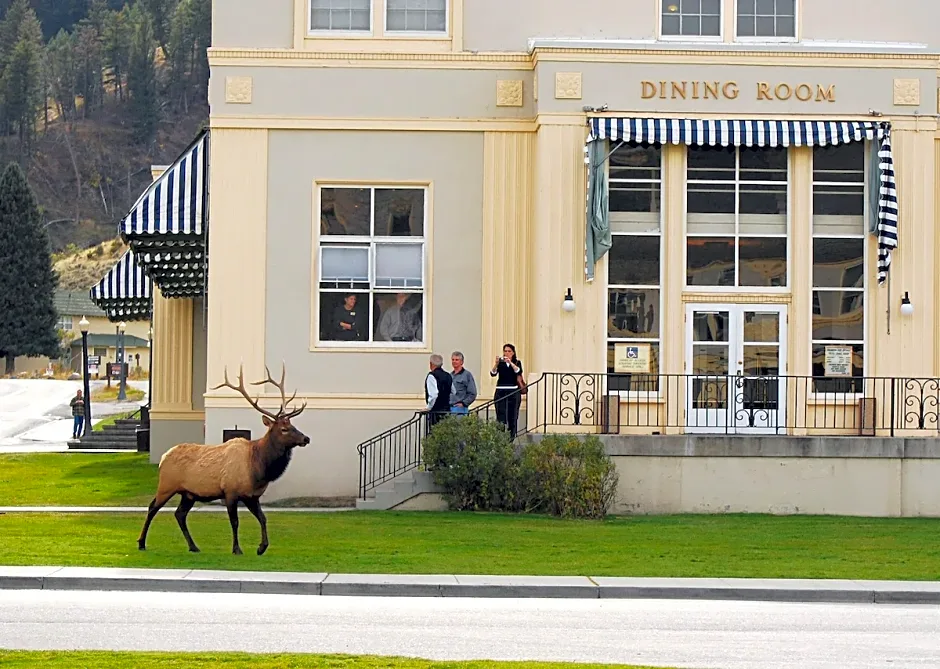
(262, 548)
(236, 551)
(193, 549)
(141, 546)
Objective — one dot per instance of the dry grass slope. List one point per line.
(82, 269)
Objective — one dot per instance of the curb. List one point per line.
(213, 508)
(422, 585)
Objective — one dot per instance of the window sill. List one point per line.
(382, 347)
(368, 43)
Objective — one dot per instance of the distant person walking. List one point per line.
(508, 370)
(78, 414)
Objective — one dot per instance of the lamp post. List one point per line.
(83, 325)
(122, 395)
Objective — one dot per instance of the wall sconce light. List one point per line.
(568, 305)
(906, 307)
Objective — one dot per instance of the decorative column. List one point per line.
(172, 356)
(800, 309)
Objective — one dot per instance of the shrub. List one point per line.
(474, 461)
(567, 476)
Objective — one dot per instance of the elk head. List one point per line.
(280, 430)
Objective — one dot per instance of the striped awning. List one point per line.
(174, 203)
(125, 291)
(756, 133)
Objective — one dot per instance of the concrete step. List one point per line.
(104, 445)
(396, 492)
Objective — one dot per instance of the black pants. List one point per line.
(434, 417)
(507, 409)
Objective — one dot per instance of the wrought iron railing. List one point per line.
(684, 403)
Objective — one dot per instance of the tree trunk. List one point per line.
(10, 365)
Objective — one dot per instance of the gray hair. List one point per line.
(436, 359)
(457, 354)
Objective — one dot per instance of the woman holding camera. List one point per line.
(507, 371)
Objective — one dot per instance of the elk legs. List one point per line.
(254, 505)
(186, 503)
(155, 505)
(232, 506)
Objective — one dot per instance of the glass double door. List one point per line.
(735, 359)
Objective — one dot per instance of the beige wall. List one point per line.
(879, 487)
(489, 25)
(363, 92)
(329, 466)
(199, 356)
(252, 23)
(453, 164)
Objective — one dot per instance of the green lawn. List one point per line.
(449, 543)
(77, 479)
(101, 660)
(110, 420)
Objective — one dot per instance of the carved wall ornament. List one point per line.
(567, 85)
(238, 90)
(907, 92)
(509, 93)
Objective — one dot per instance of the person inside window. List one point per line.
(400, 322)
(349, 323)
(507, 370)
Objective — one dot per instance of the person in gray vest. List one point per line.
(437, 386)
(464, 389)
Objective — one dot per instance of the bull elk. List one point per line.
(236, 471)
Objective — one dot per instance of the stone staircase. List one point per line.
(121, 435)
(411, 491)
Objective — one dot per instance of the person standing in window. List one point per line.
(464, 390)
(437, 387)
(349, 323)
(399, 323)
(507, 370)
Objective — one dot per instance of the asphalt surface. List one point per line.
(730, 635)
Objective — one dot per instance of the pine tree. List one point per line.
(23, 79)
(142, 79)
(27, 280)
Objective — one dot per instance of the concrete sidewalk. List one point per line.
(421, 585)
(171, 507)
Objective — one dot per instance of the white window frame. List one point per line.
(755, 39)
(770, 290)
(823, 397)
(418, 33)
(640, 395)
(720, 37)
(319, 32)
(371, 242)
(65, 322)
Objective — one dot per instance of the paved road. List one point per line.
(35, 414)
(700, 635)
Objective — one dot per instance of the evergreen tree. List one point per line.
(142, 78)
(61, 73)
(23, 84)
(27, 280)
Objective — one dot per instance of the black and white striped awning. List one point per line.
(167, 226)
(758, 133)
(125, 291)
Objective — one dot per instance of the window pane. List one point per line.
(838, 315)
(635, 162)
(399, 212)
(339, 14)
(765, 7)
(838, 200)
(712, 7)
(763, 261)
(671, 25)
(711, 326)
(745, 7)
(398, 265)
(710, 261)
(763, 164)
(646, 383)
(786, 27)
(343, 266)
(691, 25)
(836, 384)
(345, 211)
(746, 26)
(838, 263)
(344, 316)
(836, 163)
(632, 314)
(711, 209)
(634, 260)
(398, 317)
(711, 163)
(761, 327)
(711, 26)
(786, 7)
(691, 6)
(416, 15)
(765, 26)
(763, 199)
(635, 197)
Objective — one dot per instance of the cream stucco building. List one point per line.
(749, 160)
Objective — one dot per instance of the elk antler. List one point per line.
(241, 389)
(280, 386)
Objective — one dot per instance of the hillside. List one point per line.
(80, 269)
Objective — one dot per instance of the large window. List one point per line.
(64, 323)
(416, 16)
(838, 266)
(770, 19)
(634, 265)
(737, 217)
(691, 18)
(341, 15)
(371, 265)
